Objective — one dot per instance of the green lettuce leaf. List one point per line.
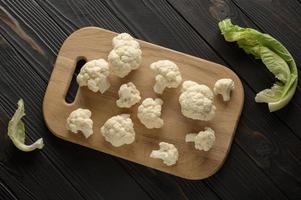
(275, 57)
(16, 131)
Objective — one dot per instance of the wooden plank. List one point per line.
(78, 179)
(6, 193)
(268, 123)
(167, 38)
(243, 179)
(203, 17)
(160, 185)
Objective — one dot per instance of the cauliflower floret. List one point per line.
(80, 120)
(224, 87)
(94, 75)
(119, 130)
(203, 140)
(196, 101)
(167, 152)
(167, 75)
(125, 39)
(149, 113)
(124, 59)
(128, 95)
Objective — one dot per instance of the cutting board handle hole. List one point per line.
(73, 87)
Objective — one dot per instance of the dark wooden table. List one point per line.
(265, 158)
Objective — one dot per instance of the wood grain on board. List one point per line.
(92, 43)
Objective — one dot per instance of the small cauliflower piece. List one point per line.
(128, 95)
(125, 39)
(203, 140)
(94, 74)
(167, 75)
(123, 59)
(196, 101)
(149, 113)
(119, 130)
(167, 152)
(224, 87)
(80, 120)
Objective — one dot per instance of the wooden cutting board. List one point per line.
(92, 43)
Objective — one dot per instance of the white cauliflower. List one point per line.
(94, 74)
(224, 87)
(167, 75)
(196, 101)
(203, 140)
(124, 59)
(149, 113)
(167, 152)
(119, 130)
(128, 95)
(125, 39)
(80, 120)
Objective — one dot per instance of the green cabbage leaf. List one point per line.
(16, 131)
(274, 55)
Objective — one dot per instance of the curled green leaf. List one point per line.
(16, 131)
(275, 57)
